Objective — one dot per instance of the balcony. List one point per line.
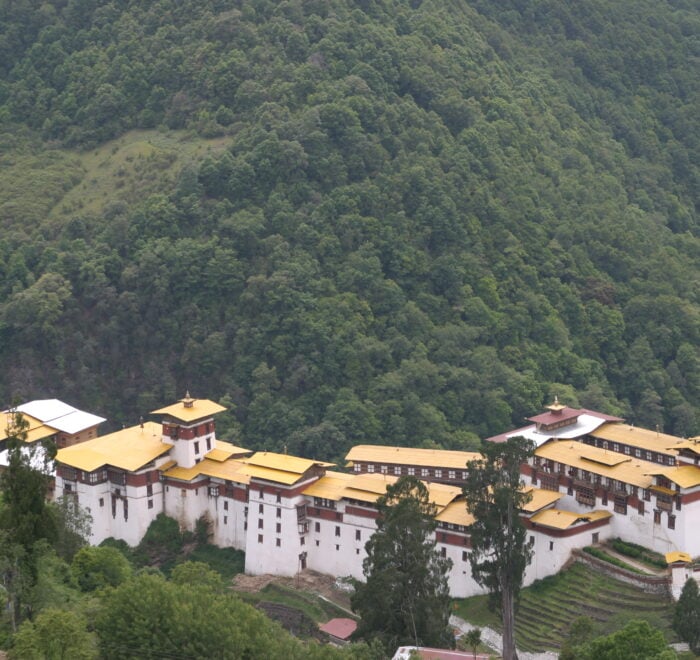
(585, 498)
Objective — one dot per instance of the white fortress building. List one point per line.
(592, 478)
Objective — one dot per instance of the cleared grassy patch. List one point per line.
(476, 611)
(316, 608)
(134, 165)
(75, 183)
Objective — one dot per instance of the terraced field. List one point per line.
(548, 608)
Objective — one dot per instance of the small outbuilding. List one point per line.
(339, 630)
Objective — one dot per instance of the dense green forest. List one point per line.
(386, 221)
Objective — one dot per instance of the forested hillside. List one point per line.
(382, 221)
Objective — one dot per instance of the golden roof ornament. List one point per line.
(556, 406)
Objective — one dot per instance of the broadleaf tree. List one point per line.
(636, 640)
(54, 633)
(405, 599)
(499, 550)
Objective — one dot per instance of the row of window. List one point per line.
(278, 541)
(465, 554)
(399, 470)
(629, 450)
(278, 495)
(664, 502)
(452, 527)
(358, 532)
(261, 510)
(551, 482)
(278, 526)
(174, 430)
(117, 477)
(196, 445)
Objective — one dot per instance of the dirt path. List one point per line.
(494, 640)
(309, 581)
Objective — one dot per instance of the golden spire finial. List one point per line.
(556, 406)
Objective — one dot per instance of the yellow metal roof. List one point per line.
(128, 449)
(455, 513)
(199, 409)
(229, 471)
(638, 437)
(332, 486)
(540, 499)
(633, 471)
(36, 429)
(441, 494)
(673, 557)
(361, 495)
(686, 476)
(224, 450)
(167, 465)
(373, 483)
(185, 474)
(693, 444)
(369, 487)
(608, 458)
(270, 474)
(440, 458)
(559, 519)
(268, 459)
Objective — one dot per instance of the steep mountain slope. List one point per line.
(385, 221)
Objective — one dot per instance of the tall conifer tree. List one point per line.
(405, 599)
(686, 616)
(500, 553)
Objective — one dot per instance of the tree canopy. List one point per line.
(96, 568)
(405, 598)
(636, 640)
(26, 519)
(54, 634)
(24, 486)
(397, 222)
(149, 616)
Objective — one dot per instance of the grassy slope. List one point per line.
(548, 608)
(79, 183)
(311, 604)
(133, 165)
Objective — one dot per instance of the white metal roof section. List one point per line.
(584, 424)
(46, 409)
(59, 415)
